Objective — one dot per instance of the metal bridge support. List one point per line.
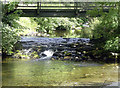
(38, 7)
(76, 9)
(119, 15)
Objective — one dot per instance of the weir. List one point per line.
(56, 48)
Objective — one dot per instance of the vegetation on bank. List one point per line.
(104, 27)
(107, 29)
(8, 27)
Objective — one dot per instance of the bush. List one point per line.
(106, 28)
(113, 45)
(9, 23)
(49, 24)
(9, 38)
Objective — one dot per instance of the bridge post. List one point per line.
(76, 8)
(38, 7)
(119, 15)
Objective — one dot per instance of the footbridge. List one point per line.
(61, 9)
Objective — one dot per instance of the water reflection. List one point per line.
(57, 73)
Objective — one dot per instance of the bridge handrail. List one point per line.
(80, 4)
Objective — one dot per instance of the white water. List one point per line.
(47, 54)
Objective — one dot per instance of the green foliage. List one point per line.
(28, 26)
(49, 24)
(9, 38)
(9, 23)
(107, 24)
(113, 44)
(106, 27)
(10, 15)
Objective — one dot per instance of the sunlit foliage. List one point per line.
(9, 23)
(9, 38)
(106, 27)
(113, 44)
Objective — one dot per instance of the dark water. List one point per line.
(57, 73)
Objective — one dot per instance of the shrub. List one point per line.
(113, 45)
(9, 38)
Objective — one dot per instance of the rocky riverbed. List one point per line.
(75, 49)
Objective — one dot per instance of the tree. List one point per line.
(108, 27)
(9, 23)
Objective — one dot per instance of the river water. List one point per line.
(57, 73)
(29, 72)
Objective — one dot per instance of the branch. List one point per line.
(12, 11)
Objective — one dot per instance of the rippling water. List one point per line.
(57, 73)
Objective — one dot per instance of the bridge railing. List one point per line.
(65, 5)
(60, 9)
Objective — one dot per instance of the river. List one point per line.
(57, 73)
(31, 72)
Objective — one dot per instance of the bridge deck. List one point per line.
(60, 9)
